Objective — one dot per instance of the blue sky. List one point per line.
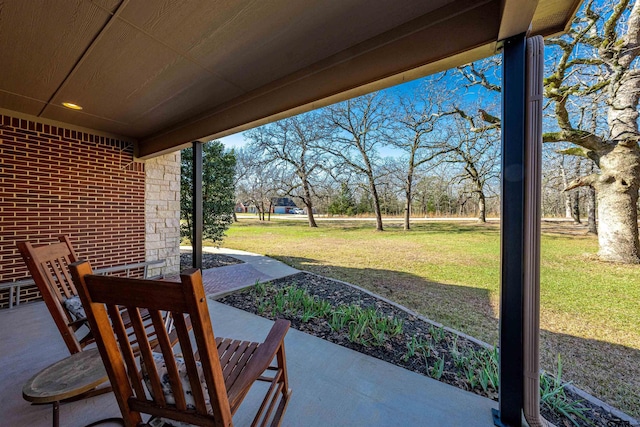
(238, 140)
(233, 141)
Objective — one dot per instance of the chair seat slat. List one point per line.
(241, 361)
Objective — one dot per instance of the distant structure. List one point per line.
(282, 205)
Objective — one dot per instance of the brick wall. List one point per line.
(60, 181)
(163, 212)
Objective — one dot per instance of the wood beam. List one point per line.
(516, 17)
(431, 38)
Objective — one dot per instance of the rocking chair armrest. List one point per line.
(275, 339)
(260, 361)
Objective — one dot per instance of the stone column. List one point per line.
(162, 210)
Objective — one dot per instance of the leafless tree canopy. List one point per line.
(434, 150)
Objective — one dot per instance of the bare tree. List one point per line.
(552, 196)
(474, 143)
(415, 120)
(592, 226)
(260, 183)
(294, 143)
(390, 183)
(359, 126)
(598, 56)
(243, 167)
(435, 191)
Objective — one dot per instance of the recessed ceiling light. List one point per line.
(72, 106)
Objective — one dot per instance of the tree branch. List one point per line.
(584, 61)
(585, 181)
(579, 137)
(630, 48)
(475, 77)
(581, 152)
(611, 23)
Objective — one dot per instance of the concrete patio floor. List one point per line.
(332, 385)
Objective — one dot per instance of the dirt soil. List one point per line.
(444, 345)
(564, 227)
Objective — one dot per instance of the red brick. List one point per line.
(59, 181)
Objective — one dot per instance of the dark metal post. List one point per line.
(196, 198)
(512, 232)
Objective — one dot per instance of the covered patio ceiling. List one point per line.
(165, 73)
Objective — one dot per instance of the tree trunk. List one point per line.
(407, 207)
(591, 211)
(617, 197)
(482, 209)
(376, 204)
(619, 182)
(575, 197)
(235, 217)
(591, 206)
(616, 244)
(308, 203)
(407, 212)
(567, 196)
(575, 206)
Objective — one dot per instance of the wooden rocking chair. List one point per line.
(49, 267)
(205, 380)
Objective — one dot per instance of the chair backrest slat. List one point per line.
(108, 345)
(122, 335)
(146, 355)
(169, 360)
(58, 273)
(190, 362)
(52, 262)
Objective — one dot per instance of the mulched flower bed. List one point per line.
(447, 355)
(208, 260)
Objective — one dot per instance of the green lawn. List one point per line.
(450, 272)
